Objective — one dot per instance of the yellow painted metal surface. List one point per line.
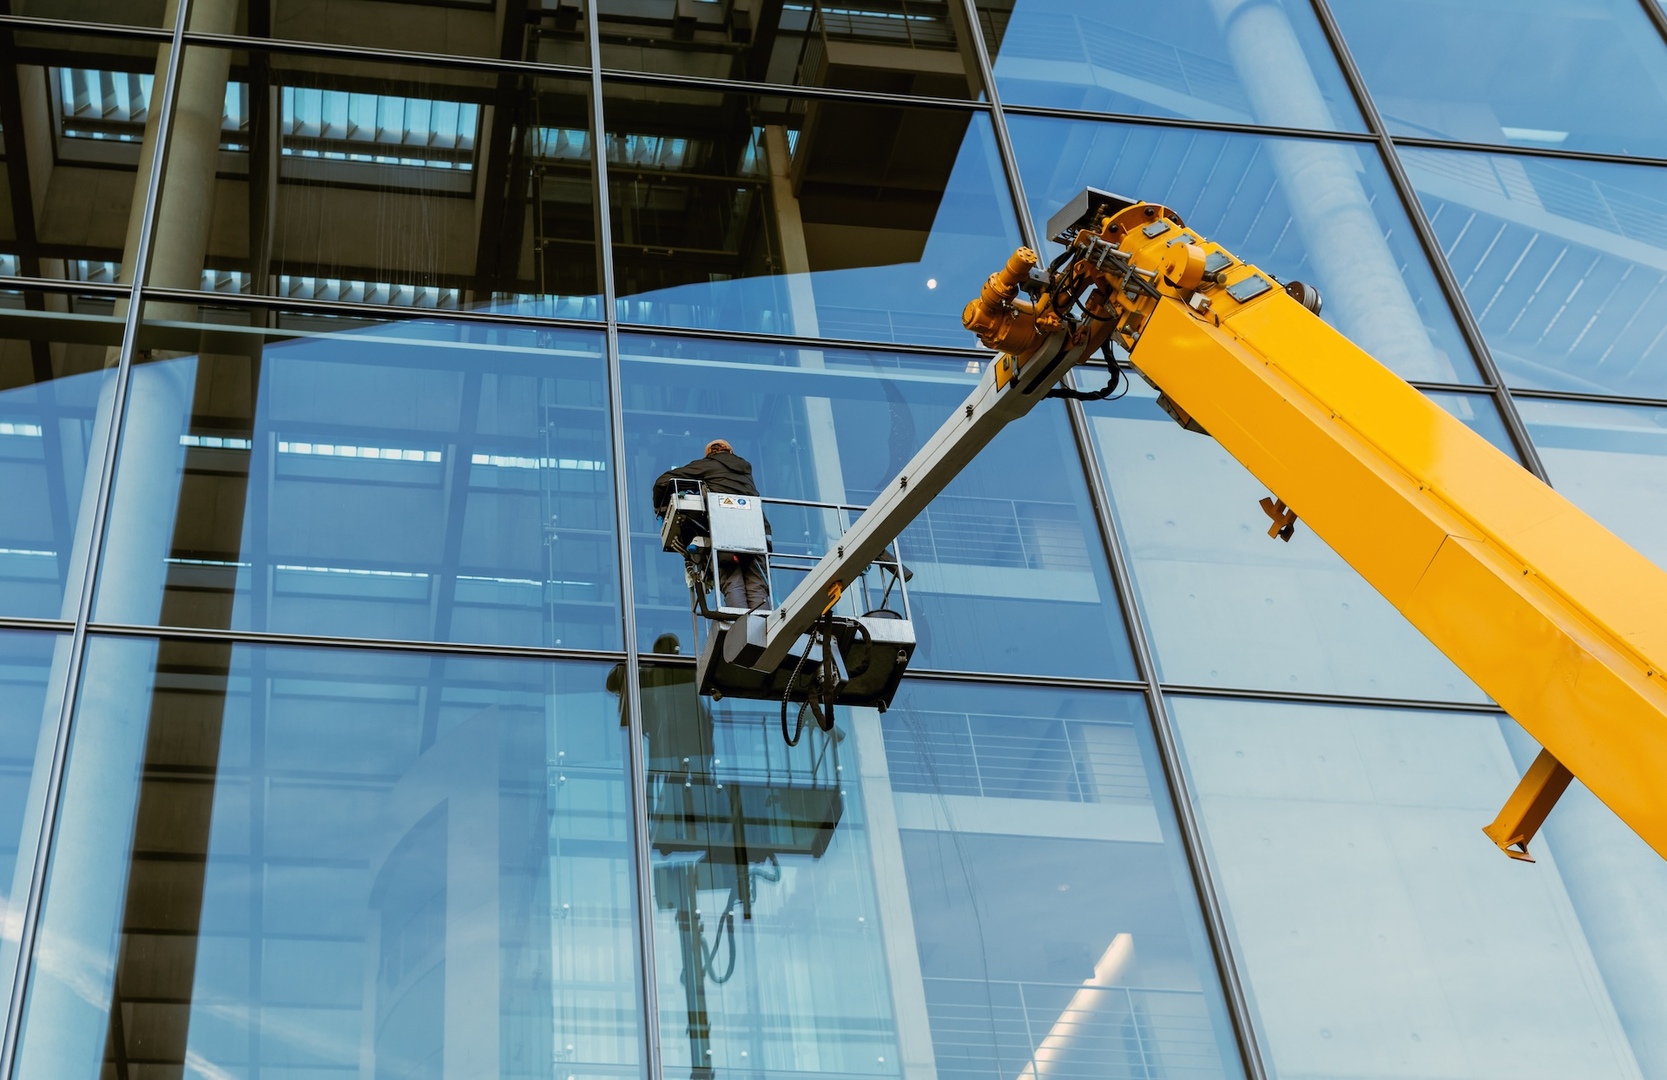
(1549, 612)
(1529, 805)
(1559, 620)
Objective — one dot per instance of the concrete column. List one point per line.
(80, 934)
(1364, 291)
(74, 965)
(885, 845)
(801, 301)
(180, 243)
(897, 924)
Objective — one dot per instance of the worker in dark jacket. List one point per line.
(741, 578)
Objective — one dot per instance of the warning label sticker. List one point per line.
(739, 501)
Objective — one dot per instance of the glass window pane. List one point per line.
(1455, 69)
(119, 12)
(982, 882)
(426, 480)
(1246, 63)
(318, 862)
(1009, 571)
(1611, 461)
(1563, 262)
(56, 393)
(552, 33)
(33, 668)
(1301, 209)
(359, 182)
(1228, 605)
(885, 46)
(1054, 913)
(1380, 932)
(836, 219)
(71, 186)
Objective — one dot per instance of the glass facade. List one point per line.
(347, 702)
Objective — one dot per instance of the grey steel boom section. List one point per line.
(989, 408)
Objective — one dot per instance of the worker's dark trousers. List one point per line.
(744, 583)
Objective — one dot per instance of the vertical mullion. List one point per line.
(97, 520)
(1427, 239)
(631, 692)
(1145, 665)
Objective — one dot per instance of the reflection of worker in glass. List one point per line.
(741, 578)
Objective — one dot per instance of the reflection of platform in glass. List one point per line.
(739, 822)
(869, 657)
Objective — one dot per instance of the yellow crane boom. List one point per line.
(1555, 617)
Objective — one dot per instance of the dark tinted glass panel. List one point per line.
(311, 862)
(836, 219)
(1227, 604)
(120, 12)
(887, 46)
(1243, 62)
(1373, 922)
(359, 182)
(423, 480)
(1537, 73)
(1611, 461)
(55, 398)
(1009, 572)
(980, 882)
(1563, 262)
(551, 32)
(1301, 209)
(74, 129)
(32, 672)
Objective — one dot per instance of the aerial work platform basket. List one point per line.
(855, 654)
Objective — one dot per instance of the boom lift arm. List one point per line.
(1552, 615)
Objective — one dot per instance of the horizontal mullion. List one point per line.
(789, 341)
(1422, 143)
(1183, 122)
(255, 637)
(389, 312)
(1586, 398)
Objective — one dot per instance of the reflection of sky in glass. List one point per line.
(1265, 63)
(1569, 74)
(1563, 262)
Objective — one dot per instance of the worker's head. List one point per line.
(719, 446)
